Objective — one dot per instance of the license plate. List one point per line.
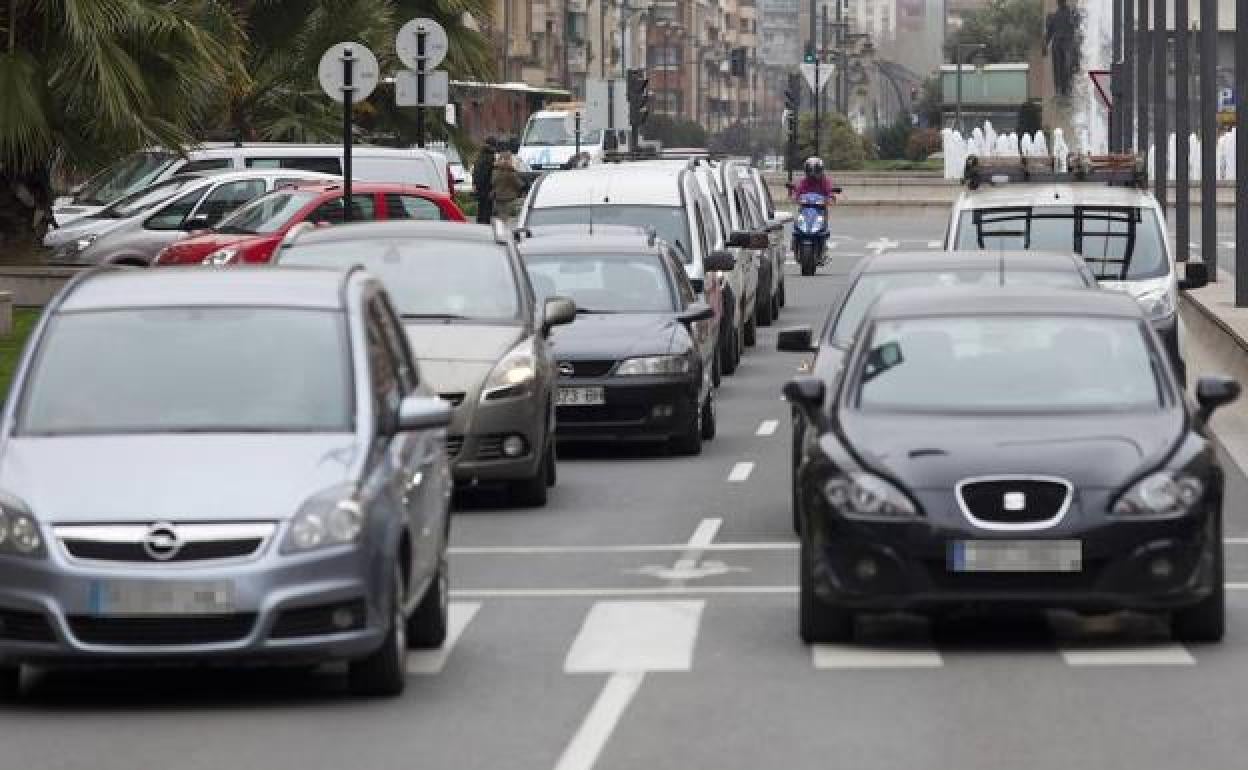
(587, 396)
(1015, 556)
(153, 597)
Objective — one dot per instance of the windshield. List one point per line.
(668, 222)
(871, 285)
(604, 283)
(266, 214)
(553, 131)
(146, 199)
(124, 177)
(431, 279)
(171, 370)
(1119, 243)
(1009, 364)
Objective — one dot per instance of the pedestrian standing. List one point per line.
(507, 186)
(483, 182)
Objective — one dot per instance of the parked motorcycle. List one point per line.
(810, 231)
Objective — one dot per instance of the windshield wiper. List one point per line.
(684, 252)
(432, 317)
(594, 311)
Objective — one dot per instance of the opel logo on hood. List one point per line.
(566, 369)
(161, 542)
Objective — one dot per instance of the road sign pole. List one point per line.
(1161, 122)
(420, 86)
(1182, 134)
(1241, 149)
(1209, 136)
(576, 159)
(347, 88)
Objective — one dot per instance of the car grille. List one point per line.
(585, 368)
(162, 630)
(454, 445)
(316, 621)
(1015, 501)
(622, 413)
(454, 399)
(196, 542)
(489, 447)
(20, 626)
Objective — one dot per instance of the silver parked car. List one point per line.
(253, 470)
(473, 320)
(133, 230)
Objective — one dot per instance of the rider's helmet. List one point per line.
(814, 167)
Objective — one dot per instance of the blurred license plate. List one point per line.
(1015, 556)
(588, 396)
(151, 597)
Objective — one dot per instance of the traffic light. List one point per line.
(810, 54)
(638, 97)
(737, 62)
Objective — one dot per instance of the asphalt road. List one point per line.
(648, 619)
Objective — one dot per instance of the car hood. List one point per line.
(616, 336)
(80, 228)
(935, 452)
(173, 477)
(72, 212)
(457, 357)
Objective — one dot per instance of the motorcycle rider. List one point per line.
(815, 181)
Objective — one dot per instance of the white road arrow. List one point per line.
(684, 572)
(882, 245)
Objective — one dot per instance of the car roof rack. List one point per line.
(1124, 170)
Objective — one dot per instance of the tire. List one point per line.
(781, 298)
(552, 465)
(531, 492)
(708, 418)
(426, 628)
(384, 673)
(10, 682)
(728, 343)
(818, 621)
(717, 374)
(765, 304)
(689, 441)
(751, 332)
(807, 261)
(1205, 621)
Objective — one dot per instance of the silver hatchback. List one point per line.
(240, 465)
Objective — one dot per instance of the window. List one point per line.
(228, 197)
(267, 214)
(385, 377)
(173, 215)
(325, 165)
(412, 207)
(668, 222)
(363, 208)
(683, 287)
(613, 283)
(214, 164)
(387, 321)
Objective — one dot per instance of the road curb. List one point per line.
(1216, 342)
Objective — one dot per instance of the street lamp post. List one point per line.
(958, 48)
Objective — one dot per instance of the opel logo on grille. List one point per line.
(162, 542)
(1014, 501)
(566, 369)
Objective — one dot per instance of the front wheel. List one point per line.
(384, 673)
(818, 621)
(426, 628)
(1204, 621)
(806, 258)
(689, 441)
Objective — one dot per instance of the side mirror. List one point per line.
(1195, 276)
(698, 285)
(720, 262)
(1214, 392)
(807, 394)
(782, 218)
(421, 413)
(198, 222)
(739, 239)
(698, 311)
(760, 240)
(798, 339)
(556, 312)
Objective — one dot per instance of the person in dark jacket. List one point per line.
(483, 182)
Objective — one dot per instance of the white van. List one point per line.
(368, 164)
(548, 142)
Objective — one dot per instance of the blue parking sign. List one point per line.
(1226, 98)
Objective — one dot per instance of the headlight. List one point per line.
(19, 533)
(863, 495)
(71, 249)
(333, 517)
(1157, 303)
(513, 375)
(1162, 494)
(221, 257)
(652, 365)
(820, 221)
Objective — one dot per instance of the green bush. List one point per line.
(841, 147)
(894, 140)
(922, 143)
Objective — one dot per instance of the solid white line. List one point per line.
(459, 615)
(767, 428)
(741, 472)
(636, 636)
(934, 244)
(534, 550)
(1144, 655)
(583, 751)
(844, 656)
(581, 593)
(1235, 540)
(703, 536)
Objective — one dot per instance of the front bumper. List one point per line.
(479, 429)
(50, 611)
(636, 408)
(910, 562)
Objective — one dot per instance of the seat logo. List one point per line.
(566, 369)
(1014, 501)
(161, 542)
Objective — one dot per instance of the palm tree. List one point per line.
(87, 80)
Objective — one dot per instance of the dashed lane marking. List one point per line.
(741, 472)
(592, 736)
(459, 615)
(767, 428)
(843, 656)
(934, 244)
(1143, 655)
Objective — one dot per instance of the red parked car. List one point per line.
(252, 233)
